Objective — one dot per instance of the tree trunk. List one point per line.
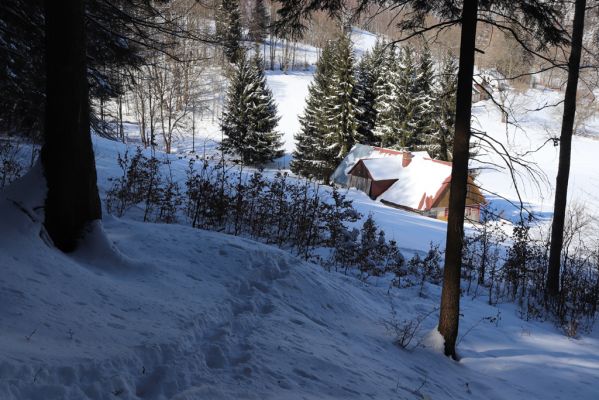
(563, 171)
(67, 156)
(450, 296)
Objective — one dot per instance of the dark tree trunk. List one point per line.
(67, 155)
(450, 297)
(563, 171)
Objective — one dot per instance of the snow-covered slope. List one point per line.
(146, 311)
(530, 133)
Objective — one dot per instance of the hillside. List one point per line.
(146, 311)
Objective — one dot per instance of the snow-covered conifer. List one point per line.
(407, 99)
(250, 117)
(341, 132)
(425, 110)
(367, 74)
(386, 106)
(309, 158)
(228, 29)
(440, 144)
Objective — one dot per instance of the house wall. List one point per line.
(360, 183)
(360, 170)
(379, 187)
(471, 213)
(474, 199)
(473, 196)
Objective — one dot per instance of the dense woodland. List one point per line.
(72, 69)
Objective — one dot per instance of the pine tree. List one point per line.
(386, 106)
(440, 143)
(259, 22)
(308, 157)
(250, 115)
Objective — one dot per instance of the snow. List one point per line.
(362, 40)
(289, 91)
(384, 168)
(422, 178)
(149, 311)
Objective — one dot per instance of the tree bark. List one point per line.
(563, 171)
(67, 156)
(450, 296)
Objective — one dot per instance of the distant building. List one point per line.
(403, 179)
(485, 83)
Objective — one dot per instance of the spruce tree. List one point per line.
(367, 74)
(424, 97)
(308, 157)
(440, 142)
(250, 117)
(386, 105)
(341, 132)
(228, 29)
(407, 100)
(259, 22)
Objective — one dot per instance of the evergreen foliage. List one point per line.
(343, 102)
(386, 105)
(329, 123)
(258, 24)
(308, 157)
(426, 123)
(408, 100)
(367, 75)
(250, 117)
(228, 29)
(110, 47)
(440, 143)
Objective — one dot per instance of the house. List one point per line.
(481, 89)
(407, 180)
(478, 94)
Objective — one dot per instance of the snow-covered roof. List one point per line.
(419, 183)
(357, 153)
(383, 168)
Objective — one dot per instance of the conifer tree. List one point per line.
(407, 100)
(424, 97)
(367, 74)
(386, 105)
(309, 154)
(250, 117)
(440, 143)
(341, 132)
(228, 29)
(259, 22)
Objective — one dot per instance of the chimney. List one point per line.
(407, 159)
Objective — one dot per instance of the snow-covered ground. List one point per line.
(148, 311)
(531, 135)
